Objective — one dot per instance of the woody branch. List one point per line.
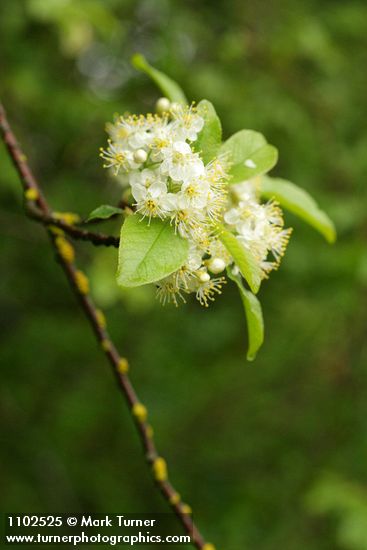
(38, 208)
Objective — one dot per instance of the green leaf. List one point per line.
(298, 201)
(247, 264)
(104, 212)
(210, 137)
(168, 86)
(148, 252)
(254, 317)
(249, 154)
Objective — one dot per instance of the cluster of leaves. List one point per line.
(150, 251)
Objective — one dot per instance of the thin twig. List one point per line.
(79, 282)
(82, 234)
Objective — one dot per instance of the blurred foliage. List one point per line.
(346, 501)
(246, 443)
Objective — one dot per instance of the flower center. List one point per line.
(151, 206)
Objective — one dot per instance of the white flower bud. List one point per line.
(203, 276)
(140, 156)
(163, 105)
(216, 265)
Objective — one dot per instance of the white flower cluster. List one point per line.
(168, 180)
(258, 227)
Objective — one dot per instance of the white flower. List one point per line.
(207, 288)
(140, 139)
(246, 190)
(185, 218)
(147, 179)
(232, 216)
(125, 128)
(218, 250)
(168, 291)
(119, 132)
(195, 258)
(187, 123)
(162, 139)
(214, 206)
(150, 193)
(195, 192)
(180, 163)
(202, 236)
(259, 228)
(135, 132)
(118, 158)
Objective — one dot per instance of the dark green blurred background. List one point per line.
(272, 455)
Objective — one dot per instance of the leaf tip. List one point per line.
(254, 285)
(331, 234)
(138, 61)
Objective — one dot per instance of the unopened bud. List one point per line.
(204, 277)
(160, 469)
(216, 265)
(140, 156)
(163, 105)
